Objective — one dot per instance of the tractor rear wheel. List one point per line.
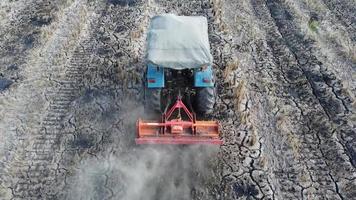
(205, 100)
(153, 100)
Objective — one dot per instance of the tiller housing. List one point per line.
(176, 130)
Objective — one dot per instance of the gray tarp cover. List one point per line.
(178, 42)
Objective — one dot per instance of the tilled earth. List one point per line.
(71, 84)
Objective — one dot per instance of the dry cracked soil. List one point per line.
(71, 84)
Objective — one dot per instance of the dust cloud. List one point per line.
(150, 172)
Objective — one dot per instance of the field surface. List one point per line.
(71, 90)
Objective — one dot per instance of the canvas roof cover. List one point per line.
(178, 42)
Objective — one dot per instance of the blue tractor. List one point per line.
(179, 63)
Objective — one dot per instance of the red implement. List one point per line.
(178, 131)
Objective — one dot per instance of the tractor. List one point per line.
(179, 83)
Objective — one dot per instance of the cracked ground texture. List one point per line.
(71, 84)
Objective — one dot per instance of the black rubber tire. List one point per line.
(153, 100)
(205, 100)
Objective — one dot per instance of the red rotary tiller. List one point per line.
(176, 130)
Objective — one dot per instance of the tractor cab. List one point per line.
(178, 56)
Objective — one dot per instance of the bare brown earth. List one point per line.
(71, 84)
